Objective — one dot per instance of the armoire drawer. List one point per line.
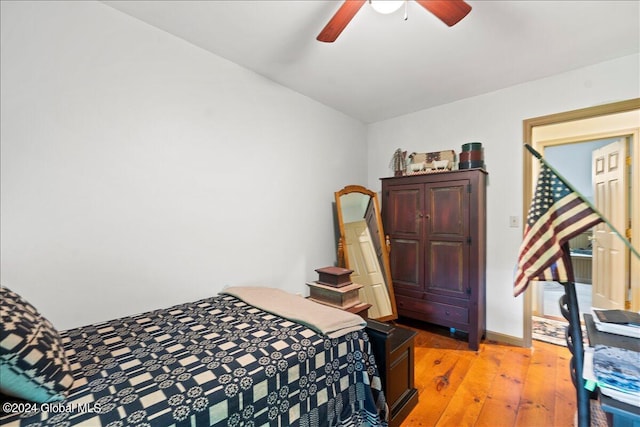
(433, 310)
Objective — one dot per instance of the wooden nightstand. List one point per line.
(393, 350)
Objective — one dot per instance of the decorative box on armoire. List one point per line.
(435, 224)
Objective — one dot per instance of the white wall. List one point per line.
(495, 119)
(139, 171)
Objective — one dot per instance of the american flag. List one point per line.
(556, 215)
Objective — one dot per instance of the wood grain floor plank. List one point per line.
(538, 395)
(501, 405)
(466, 404)
(565, 405)
(499, 385)
(437, 377)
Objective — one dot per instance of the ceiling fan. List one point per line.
(448, 11)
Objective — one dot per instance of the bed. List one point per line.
(219, 361)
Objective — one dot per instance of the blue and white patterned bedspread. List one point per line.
(214, 362)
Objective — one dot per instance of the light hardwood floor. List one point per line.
(499, 385)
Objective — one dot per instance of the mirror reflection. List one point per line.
(362, 249)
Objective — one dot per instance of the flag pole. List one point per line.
(568, 184)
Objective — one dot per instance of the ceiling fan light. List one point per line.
(386, 6)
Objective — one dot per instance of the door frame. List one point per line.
(529, 168)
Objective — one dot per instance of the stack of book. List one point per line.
(620, 322)
(616, 372)
(335, 288)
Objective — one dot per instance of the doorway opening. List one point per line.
(574, 162)
(569, 131)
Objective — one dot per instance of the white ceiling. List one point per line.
(382, 66)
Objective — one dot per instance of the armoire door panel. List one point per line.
(447, 273)
(404, 259)
(406, 212)
(447, 205)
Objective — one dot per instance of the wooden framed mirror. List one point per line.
(363, 249)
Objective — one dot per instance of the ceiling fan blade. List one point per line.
(342, 17)
(448, 11)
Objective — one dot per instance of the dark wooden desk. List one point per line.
(623, 414)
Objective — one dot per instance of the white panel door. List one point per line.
(366, 269)
(610, 255)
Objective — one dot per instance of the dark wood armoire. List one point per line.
(436, 224)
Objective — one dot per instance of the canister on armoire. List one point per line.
(472, 156)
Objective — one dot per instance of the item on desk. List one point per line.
(618, 373)
(624, 317)
(589, 374)
(627, 329)
(617, 367)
